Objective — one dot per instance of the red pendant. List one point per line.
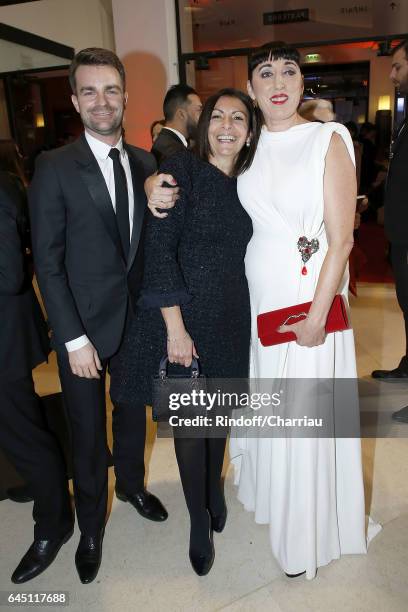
(304, 270)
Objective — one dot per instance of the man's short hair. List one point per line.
(402, 45)
(176, 96)
(94, 56)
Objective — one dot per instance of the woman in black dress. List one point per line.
(195, 296)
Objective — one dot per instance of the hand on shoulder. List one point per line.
(159, 195)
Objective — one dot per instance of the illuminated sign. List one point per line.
(310, 58)
(279, 17)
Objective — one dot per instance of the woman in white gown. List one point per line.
(301, 183)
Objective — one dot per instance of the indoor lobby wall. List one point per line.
(146, 42)
(76, 23)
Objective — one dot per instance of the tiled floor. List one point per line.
(145, 565)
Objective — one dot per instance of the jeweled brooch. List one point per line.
(306, 249)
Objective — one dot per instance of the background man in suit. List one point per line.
(24, 436)
(396, 215)
(155, 129)
(181, 109)
(87, 206)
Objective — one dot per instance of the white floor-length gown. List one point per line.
(309, 491)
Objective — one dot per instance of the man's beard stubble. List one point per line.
(116, 122)
(191, 129)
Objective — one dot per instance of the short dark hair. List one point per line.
(176, 96)
(153, 125)
(94, 56)
(276, 50)
(246, 155)
(402, 45)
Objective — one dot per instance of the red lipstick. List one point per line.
(279, 99)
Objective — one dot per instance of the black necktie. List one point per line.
(122, 201)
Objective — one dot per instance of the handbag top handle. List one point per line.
(164, 362)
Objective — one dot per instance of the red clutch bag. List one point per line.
(269, 322)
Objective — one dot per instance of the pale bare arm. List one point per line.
(340, 190)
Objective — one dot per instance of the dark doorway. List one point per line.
(43, 116)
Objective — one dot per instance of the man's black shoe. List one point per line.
(400, 372)
(88, 557)
(145, 503)
(38, 557)
(21, 494)
(401, 415)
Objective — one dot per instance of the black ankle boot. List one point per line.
(202, 551)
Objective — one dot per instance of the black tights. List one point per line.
(200, 463)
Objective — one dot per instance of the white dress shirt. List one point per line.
(179, 134)
(101, 152)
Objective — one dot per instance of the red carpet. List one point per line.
(371, 255)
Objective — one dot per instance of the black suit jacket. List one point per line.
(165, 145)
(85, 281)
(24, 335)
(396, 191)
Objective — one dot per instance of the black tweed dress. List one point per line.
(194, 258)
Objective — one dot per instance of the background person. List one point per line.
(396, 216)
(24, 435)
(369, 168)
(358, 149)
(11, 163)
(155, 129)
(181, 110)
(317, 110)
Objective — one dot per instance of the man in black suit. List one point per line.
(181, 110)
(87, 207)
(396, 215)
(24, 436)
